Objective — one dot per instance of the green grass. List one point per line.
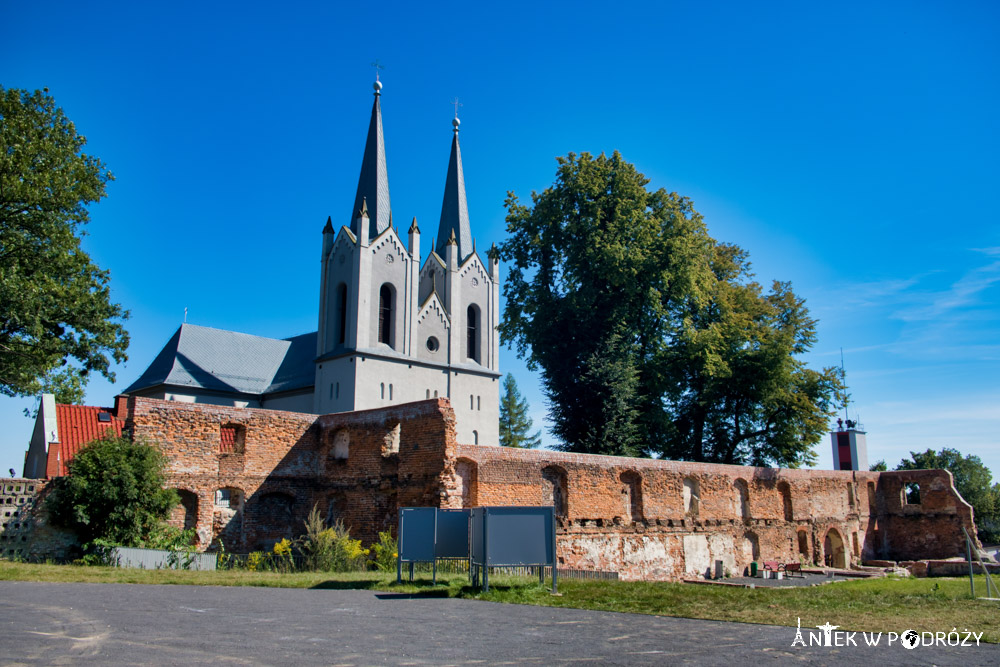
(871, 605)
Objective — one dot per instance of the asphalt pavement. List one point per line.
(122, 624)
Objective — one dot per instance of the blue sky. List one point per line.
(851, 148)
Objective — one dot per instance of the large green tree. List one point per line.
(734, 390)
(651, 337)
(515, 423)
(972, 480)
(55, 301)
(114, 491)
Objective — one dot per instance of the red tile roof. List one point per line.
(78, 425)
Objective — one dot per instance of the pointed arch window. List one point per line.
(342, 313)
(472, 332)
(385, 315)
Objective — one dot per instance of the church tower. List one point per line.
(391, 331)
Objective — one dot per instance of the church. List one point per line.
(389, 330)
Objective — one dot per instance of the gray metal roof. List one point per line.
(455, 209)
(373, 184)
(232, 362)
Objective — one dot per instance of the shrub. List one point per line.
(386, 551)
(113, 492)
(330, 549)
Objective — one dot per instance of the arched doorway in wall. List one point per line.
(631, 495)
(803, 538)
(554, 490)
(786, 500)
(743, 497)
(466, 471)
(751, 548)
(184, 515)
(834, 554)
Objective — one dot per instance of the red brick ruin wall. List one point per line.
(357, 467)
(640, 517)
(636, 517)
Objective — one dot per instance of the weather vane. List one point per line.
(377, 65)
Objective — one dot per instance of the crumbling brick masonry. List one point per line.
(249, 477)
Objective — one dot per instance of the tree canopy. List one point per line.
(113, 492)
(55, 301)
(972, 480)
(652, 338)
(515, 424)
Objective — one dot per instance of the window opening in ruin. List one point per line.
(466, 473)
(833, 550)
(341, 444)
(751, 546)
(911, 493)
(472, 332)
(475, 437)
(232, 439)
(632, 495)
(228, 497)
(554, 489)
(803, 543)
(743, 495)
(185, 514)
(390, 443)
(786, 500)
(692, 496)
(341, 313)
(385, 315)
(857, 548)
(850, 496)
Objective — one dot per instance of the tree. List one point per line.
(734, 388)
(515, 423)
(972, 481)
(114, 491)
(55, 301)
(878, 466)
(651, 337)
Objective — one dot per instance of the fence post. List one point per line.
(968, 556)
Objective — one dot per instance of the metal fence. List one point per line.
(160, 559)
(461, 566)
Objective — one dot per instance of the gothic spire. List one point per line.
(373, 184)
(454, 209)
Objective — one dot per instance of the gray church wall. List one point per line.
(340, 270)
(334, 391)
(432, 323)
(476, 286)
(432, 276)
(301, 401)
(476, 402)
(389, 265)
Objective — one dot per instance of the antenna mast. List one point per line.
(843, 378)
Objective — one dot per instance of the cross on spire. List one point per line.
(378, 66)
(456, 104)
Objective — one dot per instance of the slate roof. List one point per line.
(232, 362)
(373, 183)
(77, 425)
(454, 208)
